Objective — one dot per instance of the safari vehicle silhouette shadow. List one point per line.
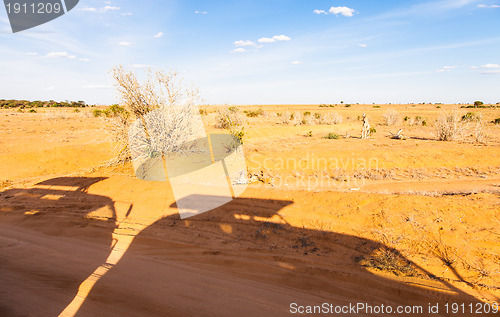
(242, 256)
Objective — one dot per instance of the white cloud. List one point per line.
(32, 53)
(490, 66)
(488, 6)
(200, 12)
(88, 9)
(447, 68)
(491, 72)
(127, 13)
(296, 63)
(281, 38)
(319, 11)
(124, 43)
(274, 39)
(84, 59)
(242, 43)
(239, 50)
(158, 35)
(266, 40)
(345, 11)
(60, 55)
(362, 45)
(110, 8)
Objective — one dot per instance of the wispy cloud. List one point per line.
(60, 55)
(239, 50)
(88, 9)
(124, 43)
(158, 35)
(342, 10)
(490, 66)
(110, 8)
(488, 6)
(84, 59)
(32, 53)
(447, 68)
(242, 46)
(100, 10)
(296, 63)
(242, 43)
(200, 12)
(362, 45)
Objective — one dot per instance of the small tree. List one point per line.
(478, 103)
(162, 103)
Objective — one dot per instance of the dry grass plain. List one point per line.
(347, 220)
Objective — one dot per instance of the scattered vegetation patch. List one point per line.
(12, 103)
(332, 136)
(471, 117)
(391, 261)
(391, 117)
(227, 119)
(252, 114)
(449, 127)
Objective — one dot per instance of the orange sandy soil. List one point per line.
(393, 222)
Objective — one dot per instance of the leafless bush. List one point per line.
(391, 117)
(175, 113)
(296, 118)
(449, 126)
(228, 118)
(478, 131)
(331, 118)
(285, 117)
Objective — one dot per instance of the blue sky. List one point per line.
(264, 51)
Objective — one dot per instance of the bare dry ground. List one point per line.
(347, 220)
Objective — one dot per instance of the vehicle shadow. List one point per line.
(245, 241)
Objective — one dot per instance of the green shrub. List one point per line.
(255, 113)
(307, 113)
(332, 136)
(471, 117)
(203, 112)
(496, 121)
(373, 130)
(317, 116)
(32, 111)
(478, 103)
(233, 109)
(240, 134)
(97, 113)
(309, 134)
(377, 107)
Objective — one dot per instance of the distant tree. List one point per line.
(478, 103)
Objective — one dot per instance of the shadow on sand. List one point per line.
(240, 257)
